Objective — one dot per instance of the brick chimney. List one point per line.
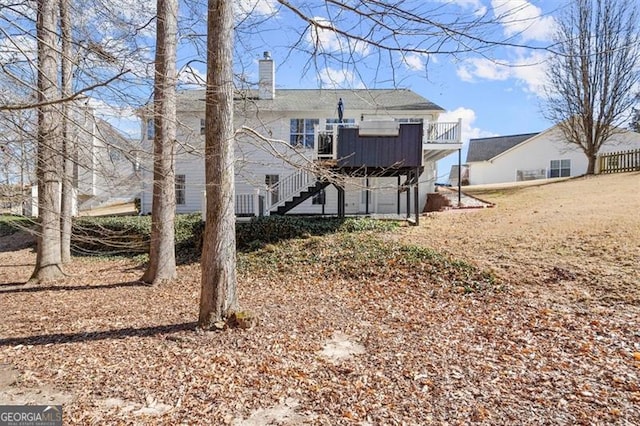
(266, 80)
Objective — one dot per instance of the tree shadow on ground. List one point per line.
(17, 241)
(17, 265)
(24, 288)
(61, 338)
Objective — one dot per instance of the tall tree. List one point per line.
(162, 258)
(48, 260)
(66, 208)
(218, 298)
(593, 71)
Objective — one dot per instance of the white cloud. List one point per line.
(476, 5)
(414, 62)
(327, 40)
(192, 78)
(526, 68)
(244, 8)
(482, 68)
(522, 18)
(339, 79)
(468, 117)
(530, 70)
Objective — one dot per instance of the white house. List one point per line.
(534, 156)
(316, 151)
(104, 161)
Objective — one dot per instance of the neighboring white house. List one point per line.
(289, 140)
(105, 164)
(534, 156)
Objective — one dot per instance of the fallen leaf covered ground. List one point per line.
(525, 313)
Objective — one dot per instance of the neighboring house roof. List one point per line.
(484, 149)
(321, 99)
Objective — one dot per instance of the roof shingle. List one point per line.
(321, 99)
(485, 149)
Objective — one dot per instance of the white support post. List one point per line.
(267, 202)
(256, 203)
(316, 141)
(334, 146)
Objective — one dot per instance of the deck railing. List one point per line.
(260, 202)
(245, 205)
(326, 144)
(287, 188)
(445, 132)
(619, 162)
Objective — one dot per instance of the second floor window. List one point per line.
(302, 131)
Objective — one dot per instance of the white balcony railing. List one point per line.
(445, 132)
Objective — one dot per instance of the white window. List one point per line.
(302, 131)
(181, 190)
(560, 168)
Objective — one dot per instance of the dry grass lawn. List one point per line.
(572, 241)
(354, 330)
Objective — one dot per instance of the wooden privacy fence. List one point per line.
(618, 162)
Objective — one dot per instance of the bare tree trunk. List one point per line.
(162, 257)
(66, 209)
(218, 298)
(48, 262)
(591, 165)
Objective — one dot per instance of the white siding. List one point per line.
(256, 158)
(537, 153)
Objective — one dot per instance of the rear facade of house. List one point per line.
(316, 151)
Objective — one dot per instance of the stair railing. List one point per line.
(287, 188)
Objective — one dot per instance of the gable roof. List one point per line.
(321, 99)
(484, 149)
